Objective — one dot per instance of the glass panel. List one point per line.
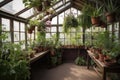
(62, 41)
(54, 20)
(60, 29)
(27, 13)
(62, 35)
(53, 29)
(32, 35)
(1, 0)
(48, 35)
(16, 36)
(22, 36)
(22, 27)
(61, 18)
(16, 26)
(13, 6)
(5, 24)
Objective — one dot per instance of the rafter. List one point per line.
(78, 4)
(54, 9)
(11, 16)
(57, 13)
(5, 2)
(76, 7)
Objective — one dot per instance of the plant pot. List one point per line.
(47, 3)
(39, 8)
(110, 17)
(30, 31)
(32, 27)
(95, 21)
(101, 57)
(103, 25)
(32, 55)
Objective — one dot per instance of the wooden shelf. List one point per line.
(38, 56)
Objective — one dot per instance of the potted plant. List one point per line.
(39, 5)
(111, 8)
(70, 22)
(95, 15)
(33, 23)
(41, 26)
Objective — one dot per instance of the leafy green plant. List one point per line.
(80, 60)
(41, 26)
(13, 62)
(111, 6)
(70, 22)
(84, 21)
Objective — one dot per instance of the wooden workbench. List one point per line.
(114, 68)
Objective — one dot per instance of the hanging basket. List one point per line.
(39, 8)
(32, 27)
(110, 17)
(30, 31)
(95, 21)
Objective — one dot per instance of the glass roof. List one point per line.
(1, 0)
(15, 6)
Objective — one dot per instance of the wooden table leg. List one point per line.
(88, 61)
(104, 74)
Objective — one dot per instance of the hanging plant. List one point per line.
(70, 22)
(33, 23)
(41, 26)
(39, 5)
(111, 8)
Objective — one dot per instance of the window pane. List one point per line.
(16, 36)
(16, 26)
(22, 27)
(62, 35)
(60, 29)
(22, 36)
(48, 35)
(5, 24)
(53, 29)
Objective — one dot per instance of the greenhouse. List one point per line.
(59, 40)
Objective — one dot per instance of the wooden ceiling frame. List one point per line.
(59, 12)
(11, 16)
(5, 2)
(54, 9)
(25, 9)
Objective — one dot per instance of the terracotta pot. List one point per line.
(30, 31)
(39, 8)
(103, 25)
(101, 57)
(110, 17)
(32, 55)
(32, 27)
(95, 21)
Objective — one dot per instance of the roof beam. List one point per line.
(11, 16)
(79, 8)
(22, 11)
(5, 2)
(57, 13)
(78, 4)
(52, 5)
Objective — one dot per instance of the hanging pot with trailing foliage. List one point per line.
(70, 22)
